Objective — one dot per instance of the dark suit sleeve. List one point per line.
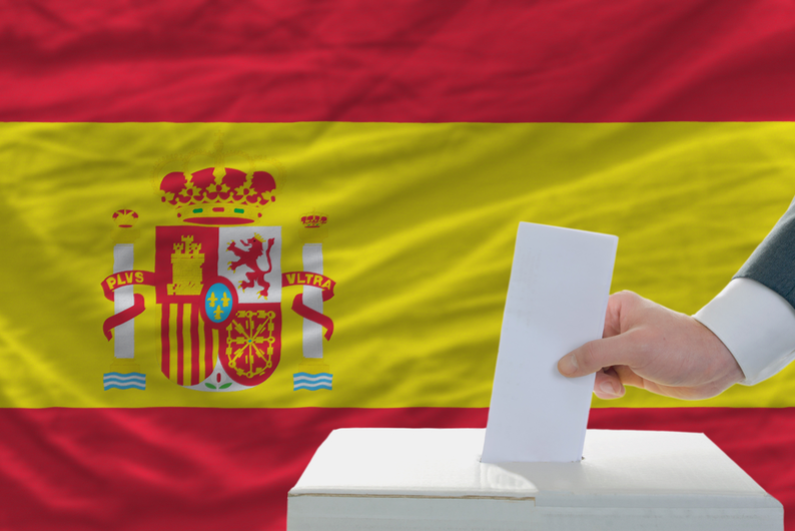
(773, 262)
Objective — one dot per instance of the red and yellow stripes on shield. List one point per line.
(190, 348)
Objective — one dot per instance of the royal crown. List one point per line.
(218, 196)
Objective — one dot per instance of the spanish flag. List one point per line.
(228, 229)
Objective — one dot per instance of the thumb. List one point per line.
(598, 354)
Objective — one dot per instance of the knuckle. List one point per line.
(626, 295)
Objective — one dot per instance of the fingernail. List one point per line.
(568, 365)
(608, 388)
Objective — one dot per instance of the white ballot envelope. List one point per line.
(557, 298)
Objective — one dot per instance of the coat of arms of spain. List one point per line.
(218, 281)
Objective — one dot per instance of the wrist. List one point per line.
(755, 324)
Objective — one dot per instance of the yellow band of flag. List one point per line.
(421, 221)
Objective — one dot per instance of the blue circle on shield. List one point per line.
(218, 303)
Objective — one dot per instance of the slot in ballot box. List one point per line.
(426, 479)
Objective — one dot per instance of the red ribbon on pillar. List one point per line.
(119, 280)
(302, 278)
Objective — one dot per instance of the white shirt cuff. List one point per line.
(756, 324)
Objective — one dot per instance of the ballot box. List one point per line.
(423, 479)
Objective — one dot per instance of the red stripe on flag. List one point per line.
(194, 344)
(164, 340)
(415, 61)
(180, 345)
(154, 464)
(208, 350)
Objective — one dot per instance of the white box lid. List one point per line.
(619, 469)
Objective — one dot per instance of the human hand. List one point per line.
(649, 346)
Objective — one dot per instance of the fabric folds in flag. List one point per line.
(228, 230)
